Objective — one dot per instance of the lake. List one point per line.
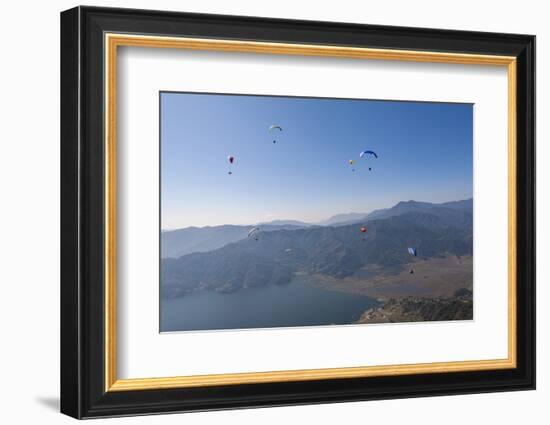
(295, 304)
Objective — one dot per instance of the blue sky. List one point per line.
(424, 153)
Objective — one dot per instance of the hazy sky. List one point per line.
(424, 153)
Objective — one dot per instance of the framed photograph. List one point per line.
(261, 212)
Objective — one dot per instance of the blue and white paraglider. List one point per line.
(414, 252)
(365, 154)
(362, 154)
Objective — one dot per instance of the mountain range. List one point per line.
(179, 242)
(175, 243)
(337, 251)
(402, 207)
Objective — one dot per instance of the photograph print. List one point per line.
(281, 211)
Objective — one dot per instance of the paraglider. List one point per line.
(412, 251)
(363, 230)
(351, 162)
(231, 160)
(362, 154)
(254, 233)
(275, 127)
(368, 152)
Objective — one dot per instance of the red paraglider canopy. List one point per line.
(363, 229)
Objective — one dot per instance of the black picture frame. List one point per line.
(83, 392)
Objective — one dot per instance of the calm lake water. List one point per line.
(295, 304)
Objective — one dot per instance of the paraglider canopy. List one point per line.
(274, 126)
(253, 233)
(367, 152)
